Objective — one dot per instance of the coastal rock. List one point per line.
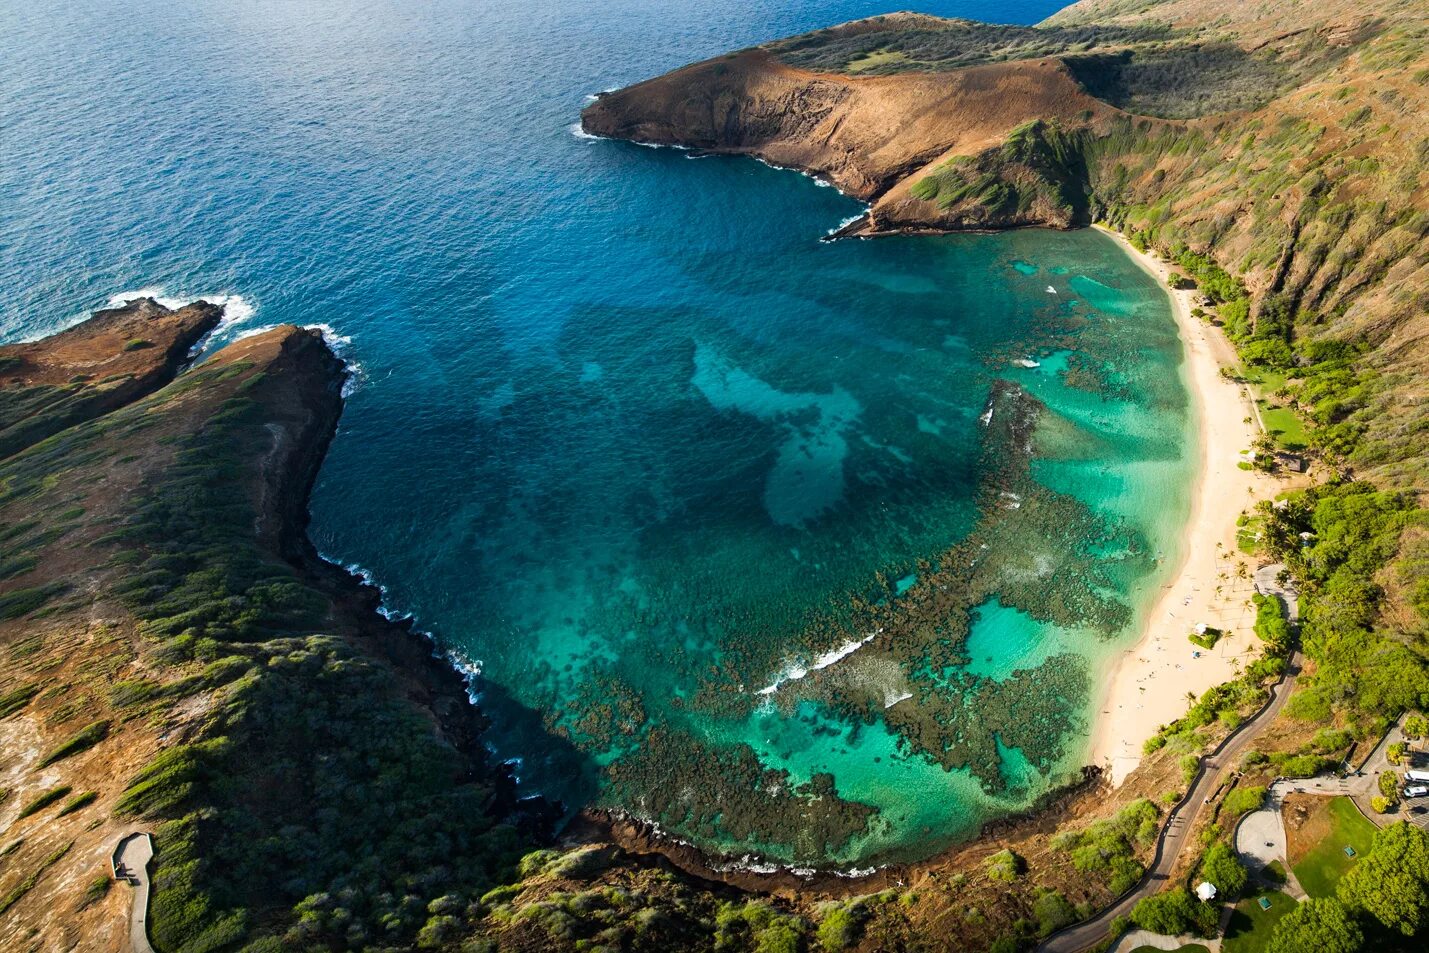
(112, 359)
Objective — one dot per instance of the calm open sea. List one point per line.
(624, 434)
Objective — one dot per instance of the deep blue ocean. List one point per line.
(623, 434)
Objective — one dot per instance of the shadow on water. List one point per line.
(568, 776)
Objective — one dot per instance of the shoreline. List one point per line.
(1148, 684)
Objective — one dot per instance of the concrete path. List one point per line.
(132, 858)
(1132, 939)
(1267, 583)
(1175, 835)
(1260, 840)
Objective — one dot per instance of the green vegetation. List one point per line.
(1242, 801)
(932, 46)
(42, 801)
(1039, 163)
(78, 802)
(842, 925)
(1108, 847)
(1206, 639)
(22, 602)
(368, 815)
(1382, 901)
(1174, 912)
(1318, 924)
(758, 927)
(1323, 866)
(1223, 869)
(16, 699)
(1416, 726)
(96, 890)
(1180, 81)
(1052, 911)
(1351, 532)
(82, 740)
(1005, 866)
(1391, 883)
(1251, 926)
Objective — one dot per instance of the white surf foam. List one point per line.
(576, 130)
(797, 671)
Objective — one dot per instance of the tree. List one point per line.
(1379, 803)
(1321, 924)
(1395, 754)
(1416, 726)
(1222, 869)
(1174, 912)
(1391, 882)
(1389, 784)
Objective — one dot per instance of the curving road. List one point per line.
(1183, 818)
(132, 858)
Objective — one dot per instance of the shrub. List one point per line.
(1174, 912)
(1243, 801)
(1005, 866)
(96, 890)
(841, 926)
(1053, 911)
(43, 801)
(1321, 924)
(1190, 764)
(1380, 804)
(16, 699)
(82, 740)
(78, 802)
(1220, 866)
(1304, 766)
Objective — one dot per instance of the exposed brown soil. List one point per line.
(1307, 824)
(866, 135)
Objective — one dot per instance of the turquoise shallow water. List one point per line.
(734, 523)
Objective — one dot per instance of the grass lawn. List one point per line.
(1325, 863)
(1250, 927)
(1265, 380)
(1188, 948)
(1287, 429)
(1248, 533)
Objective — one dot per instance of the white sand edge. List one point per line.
(1148, 685)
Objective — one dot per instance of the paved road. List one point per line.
(1175, 834)
(134, 854)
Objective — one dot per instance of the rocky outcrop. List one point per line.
(873, 137)
(113, 359)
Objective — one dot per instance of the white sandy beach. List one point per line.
(1148, 687)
